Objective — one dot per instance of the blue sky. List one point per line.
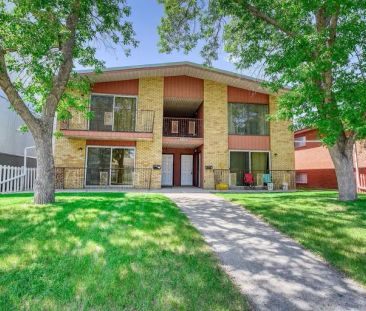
(146, 16)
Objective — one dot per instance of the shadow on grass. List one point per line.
(106, 251)
(333, 229)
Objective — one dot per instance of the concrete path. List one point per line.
(273, 271)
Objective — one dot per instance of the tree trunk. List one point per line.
(44, 189)
(342, 156)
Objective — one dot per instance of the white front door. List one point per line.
(186, 170)
(167, 170)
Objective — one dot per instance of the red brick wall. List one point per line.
(320, 178)
(314, 159)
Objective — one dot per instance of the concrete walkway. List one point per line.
(273, 271)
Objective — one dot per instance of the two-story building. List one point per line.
(175, 124)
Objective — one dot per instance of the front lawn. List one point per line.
(334, 230)
(107, 251)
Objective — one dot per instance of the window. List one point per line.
(242, 162)
(248, 119)
(301, 178)
(113, 113)
(300, 141)
(109, 166)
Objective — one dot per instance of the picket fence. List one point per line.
(15, 179)
(362, 182)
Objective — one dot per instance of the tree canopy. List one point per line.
(316, 47)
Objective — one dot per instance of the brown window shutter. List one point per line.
(192, 127)
(175, 129)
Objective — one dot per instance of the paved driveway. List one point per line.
(273, 271)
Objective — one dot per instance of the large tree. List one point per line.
(317, 47)
(40, 42)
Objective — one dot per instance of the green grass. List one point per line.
(334, 230)
(107, 251)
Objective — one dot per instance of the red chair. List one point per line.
(248, 179)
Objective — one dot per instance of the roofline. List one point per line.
(173, 64)
(304, 130)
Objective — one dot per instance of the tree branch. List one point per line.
(60, 80)
(264, 17)
(13, 96)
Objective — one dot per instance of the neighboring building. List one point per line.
(12, 141)
(177, 124)
(314, 166)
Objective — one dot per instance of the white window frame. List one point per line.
(300, 141)
(114, 101)
(110, 164)
(299, 180)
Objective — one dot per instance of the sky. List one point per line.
(145, 17)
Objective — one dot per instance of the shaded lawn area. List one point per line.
(332, 229)
(107, 251)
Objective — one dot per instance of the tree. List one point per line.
(318, 47)
(40, 42)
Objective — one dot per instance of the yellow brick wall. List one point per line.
(149, 153)
(282, 142)
(70, 154)
(215, 113)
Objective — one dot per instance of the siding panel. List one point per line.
(236, 95)
(240, 142)
(125, 87)
(183, 87)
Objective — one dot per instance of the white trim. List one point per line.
(250, 160)
(110, 162)
(113, 105)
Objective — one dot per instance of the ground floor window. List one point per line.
(109, 166)
(242, 162)
(301, 178)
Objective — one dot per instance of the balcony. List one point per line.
(182, 132)
(114, 125)
(182, 127)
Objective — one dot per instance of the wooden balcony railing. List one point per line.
(182, 127)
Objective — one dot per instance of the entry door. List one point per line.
(167, 170)
(186, 170)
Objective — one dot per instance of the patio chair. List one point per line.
(248, 179)
(267, 178)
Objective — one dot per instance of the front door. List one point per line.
(167, 170)
(186, 170)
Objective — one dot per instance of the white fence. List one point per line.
(15, 179)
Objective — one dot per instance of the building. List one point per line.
(175, 124)
(314, 166)
(12, 141)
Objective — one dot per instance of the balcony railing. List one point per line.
(81, 177)
(183, 127)
(280, 179)
(141, 121)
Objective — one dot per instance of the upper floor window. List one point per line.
(248, 119)
(300, 141)
(113, 113)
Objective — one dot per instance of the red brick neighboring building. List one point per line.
(314, 166)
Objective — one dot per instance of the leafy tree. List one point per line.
(40, 42)
(318, 47)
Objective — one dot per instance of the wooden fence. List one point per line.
(362, 183)
(15, 179)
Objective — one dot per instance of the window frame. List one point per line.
(252, 104)
(301, 143)
(114, 101)
(110, 163)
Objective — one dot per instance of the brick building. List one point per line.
(314, 166)
(177, 124)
